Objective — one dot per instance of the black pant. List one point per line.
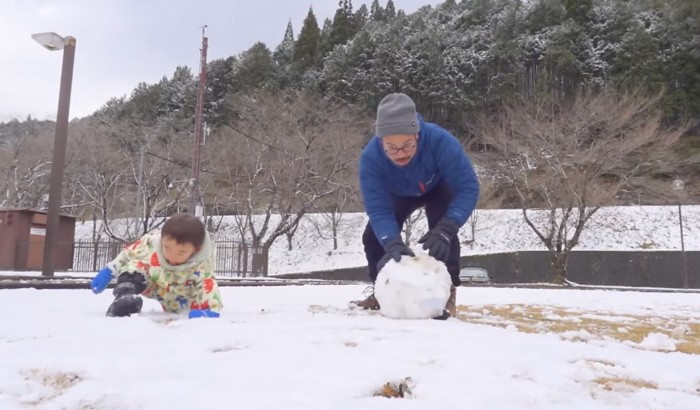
(436, 202)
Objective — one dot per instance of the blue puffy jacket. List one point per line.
(439, 157)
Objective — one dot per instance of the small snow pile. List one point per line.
(414, 288)
(658, 342)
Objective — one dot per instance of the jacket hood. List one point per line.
(204, 254)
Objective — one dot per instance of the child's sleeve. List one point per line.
(206, 294)
(132, 257)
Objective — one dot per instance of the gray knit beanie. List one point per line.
(396, 114)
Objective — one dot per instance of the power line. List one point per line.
(255, 139)
(186, 165)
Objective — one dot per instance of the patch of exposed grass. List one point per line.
(56, 382)
(626, 384)
(578, 325)
(389, 391)
(401, 389)
(606, 363)
(691, 340)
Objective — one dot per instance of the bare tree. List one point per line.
(487, 199)
(163, 180)
(410, 224)
(25, 166)
(472, 222)
(94, 176)
(283, 156)
(571, 158)
(290, 236)
(331, 211)
(117, 175)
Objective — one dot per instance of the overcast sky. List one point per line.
(123, 42)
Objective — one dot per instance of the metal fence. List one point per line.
(233, 258)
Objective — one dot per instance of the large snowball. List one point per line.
(414, 288)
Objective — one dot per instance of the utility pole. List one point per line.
(139, 194)
(196, 203)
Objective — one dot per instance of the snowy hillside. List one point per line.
(615, 228)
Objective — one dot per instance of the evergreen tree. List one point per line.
(181, 93)
(343, 27)
(679, 36)
(390, 10)
(147, 102)
(326, 43)
(284, 58)
(360, 18)
(219, 79)
(578, 10)
(255, 69)
(308, 46)
(636, 61)
(545, 14)
(376, 12)
(288, 34)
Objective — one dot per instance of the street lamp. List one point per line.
(678, 186)
(52, 42)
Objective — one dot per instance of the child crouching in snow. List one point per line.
(174, 266)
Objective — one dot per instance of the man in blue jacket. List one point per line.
(408, 164)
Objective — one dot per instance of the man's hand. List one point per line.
(394, 249)
(437, 240)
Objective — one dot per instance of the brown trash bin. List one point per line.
(22, 233)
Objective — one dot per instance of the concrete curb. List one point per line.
(71, 282)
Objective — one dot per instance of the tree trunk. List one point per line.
(258, 262)
(335, 235)
(289, 241)
(558, 264)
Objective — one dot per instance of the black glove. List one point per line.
(393, 250)
(437, 240)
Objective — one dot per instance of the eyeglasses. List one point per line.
(408, 148)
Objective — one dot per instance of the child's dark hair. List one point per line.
(184, 228)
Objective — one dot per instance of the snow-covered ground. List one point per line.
(300, 348)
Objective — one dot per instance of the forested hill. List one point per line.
(293, 106)
(454, 59)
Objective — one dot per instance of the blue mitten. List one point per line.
(195, 313)
(101, 280)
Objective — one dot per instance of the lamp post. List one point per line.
(678, 186)
(53, 42)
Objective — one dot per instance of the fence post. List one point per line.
(95, 251)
